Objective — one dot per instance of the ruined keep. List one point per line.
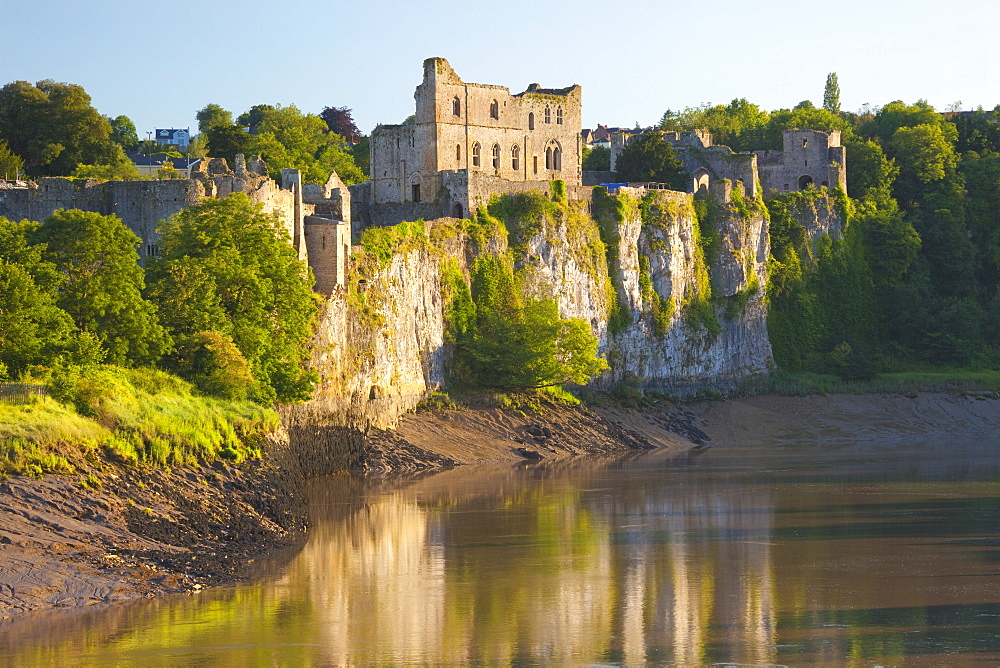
(467, 142)
(807, 158)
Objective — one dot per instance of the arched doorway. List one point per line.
(805, 181)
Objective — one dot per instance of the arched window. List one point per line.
(458, 212)
(805, 182)
(458, 152)
(548, 115)
(515, 157)
(557, 158)
(495, 109)
(456, 106)
(475, 154)
(548, 158)
(496, 156)
(559, 116)
(531, 121)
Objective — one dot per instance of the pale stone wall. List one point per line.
(329, 248)
(705, 162)
(529, 136)
(807, 157)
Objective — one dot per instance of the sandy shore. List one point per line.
(148, 532)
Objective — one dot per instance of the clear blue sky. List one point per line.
(158, 63)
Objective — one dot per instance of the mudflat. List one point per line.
(145, 532)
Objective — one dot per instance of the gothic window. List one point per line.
(515, 157)
(475, 154)
(531, 123)
(496, 156)
(458, 152)
(548, 158)
(557, 158)
(456, 106)
(495, 110)
(548, 115)
(559, 116)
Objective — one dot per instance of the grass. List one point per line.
(130, 416)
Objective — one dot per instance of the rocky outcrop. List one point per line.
(673, 288)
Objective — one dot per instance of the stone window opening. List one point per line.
(806, 163)
(515, 157)
(475, 154)
(531, 124)
(548, 115)
(458, 152)
(416, 192)
(535, 160)
(458, 211)
(805, 181)
(495, 110)
(548, 158)
(456, 106)
(557, 158)
(805, 143)
(323, 241)
(559, 116)
(496, 156)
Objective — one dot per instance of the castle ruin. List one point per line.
(467, 142)
(316, 218)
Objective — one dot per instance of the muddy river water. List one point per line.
(794, 555)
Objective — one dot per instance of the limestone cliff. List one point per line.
(672, 287)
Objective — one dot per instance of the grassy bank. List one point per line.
(130, 416)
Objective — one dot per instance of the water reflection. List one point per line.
(728, 557)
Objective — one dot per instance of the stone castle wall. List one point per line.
(479, 128)
(808, 157)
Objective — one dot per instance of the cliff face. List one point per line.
(674, 295)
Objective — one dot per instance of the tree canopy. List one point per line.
(649, 157)
(516, 343)
(229, 268)
(53, 128)
(286, 138)
(101, 284)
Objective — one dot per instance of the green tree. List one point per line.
(216, 366)
(102, 284)
(287, 138)
(11, 164)
(123, 132)
(225, 141)
(831, 94)
(227, 266)
(33, 330)
(738, 125)
(211, 116)
(520, 344)
(649, 157)
(252, 119)
(598, 159)
(54, 128)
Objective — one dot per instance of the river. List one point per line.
(858, 554)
